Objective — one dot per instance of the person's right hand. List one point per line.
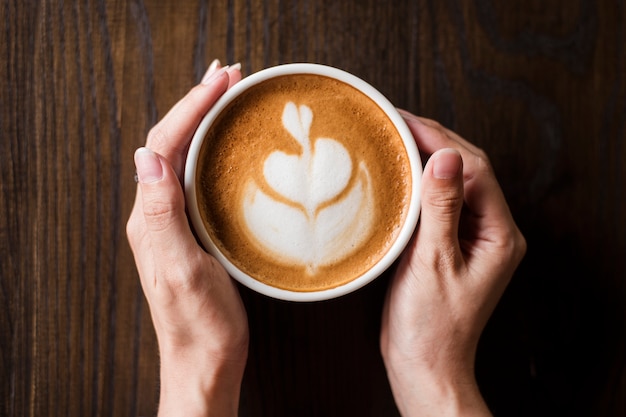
(449, 279)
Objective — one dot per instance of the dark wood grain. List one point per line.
(541, 86)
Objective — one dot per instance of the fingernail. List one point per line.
(148, 166)
(216, 63)
(236, 66)
(212, 68)
(447, 164)
(210, 77)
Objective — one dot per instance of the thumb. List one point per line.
(442, 200)
(163, 205)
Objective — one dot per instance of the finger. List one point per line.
(167, 230)
(234, 75)
(171, 136)
(431, 136)
(442, 201)
(483, 195)
(234, 72)
(488, 213)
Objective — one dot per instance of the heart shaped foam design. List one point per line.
(310, 233)
(294, 238)
(311, 178)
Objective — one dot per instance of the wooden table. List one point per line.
(541, 86)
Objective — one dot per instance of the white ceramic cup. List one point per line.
(407, 228)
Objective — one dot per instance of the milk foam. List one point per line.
(324, 216)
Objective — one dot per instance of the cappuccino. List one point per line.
(303, 182)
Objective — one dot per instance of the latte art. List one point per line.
(302, 183)
(324, 216)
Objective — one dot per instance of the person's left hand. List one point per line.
(199, 318)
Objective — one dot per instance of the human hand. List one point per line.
(449, 279)
(199, 318)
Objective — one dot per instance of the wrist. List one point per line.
(424, 388)
(433, 395)
(193, 385)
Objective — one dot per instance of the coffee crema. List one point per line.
(303, 182)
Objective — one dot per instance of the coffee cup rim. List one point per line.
(407, 228)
